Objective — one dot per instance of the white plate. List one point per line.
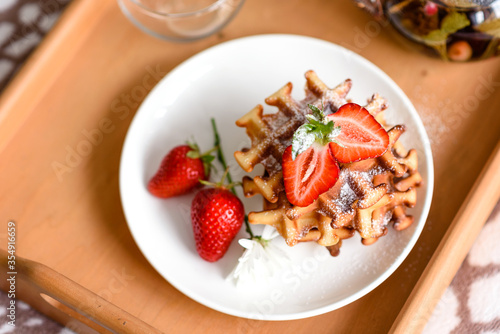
(225, 82)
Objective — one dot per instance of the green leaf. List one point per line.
(325, 130)
(316, 130)
(490, 27)
(309, 127)
(311, 117)
(436, 37)
(207, 158)
(316, 112)
(329, 126)
(316, 123)
(193, 154)
(453, 22)
(314, 108)
(193, 146)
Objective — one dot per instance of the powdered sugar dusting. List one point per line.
(375, 170)
(366, 176)
(434, 125)
(346, 197)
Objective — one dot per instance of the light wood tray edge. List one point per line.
(65, 301)
(42, 68)
(452, 249)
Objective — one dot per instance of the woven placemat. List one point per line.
(23, 23)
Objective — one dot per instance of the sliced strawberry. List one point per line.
(361, 135)
(312, 173)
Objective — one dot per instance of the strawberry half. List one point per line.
(312, 173)
(361, 136)
(180, 171)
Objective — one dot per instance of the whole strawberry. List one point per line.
(180, 171)
(217, 216)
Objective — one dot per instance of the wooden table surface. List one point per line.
(75, 224)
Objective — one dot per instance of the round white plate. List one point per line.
(225, 82)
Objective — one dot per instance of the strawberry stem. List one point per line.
(222, 160)
(210, 151)
(208, 183)
(220, 154)
(226, 173)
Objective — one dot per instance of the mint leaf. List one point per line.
(327, 129)
(314, 108)
(318, 114)
(309, 127)
(316, 130)
(454, 22)
(315, 123)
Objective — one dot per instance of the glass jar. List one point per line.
(180, 20)
(455, 30)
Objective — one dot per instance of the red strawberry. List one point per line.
(312, 173)
(178, 173)
(361, 135)
(217, 216)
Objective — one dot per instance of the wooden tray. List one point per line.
(95, 62)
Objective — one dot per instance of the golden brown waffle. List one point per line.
(368, 194)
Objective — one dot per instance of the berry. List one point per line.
(361, 136)
(178, 173)
(460, 51)
(430, 8)
(216, 216)
(312, 173)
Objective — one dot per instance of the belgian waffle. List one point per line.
(368, 195)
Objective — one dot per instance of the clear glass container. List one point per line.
(455, 30)
(180, 20)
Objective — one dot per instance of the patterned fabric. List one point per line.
(472, 302)
(23, 23)
(28, 321)
(470, 305)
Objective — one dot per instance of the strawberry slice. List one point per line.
(361, 135)
(312, 173)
